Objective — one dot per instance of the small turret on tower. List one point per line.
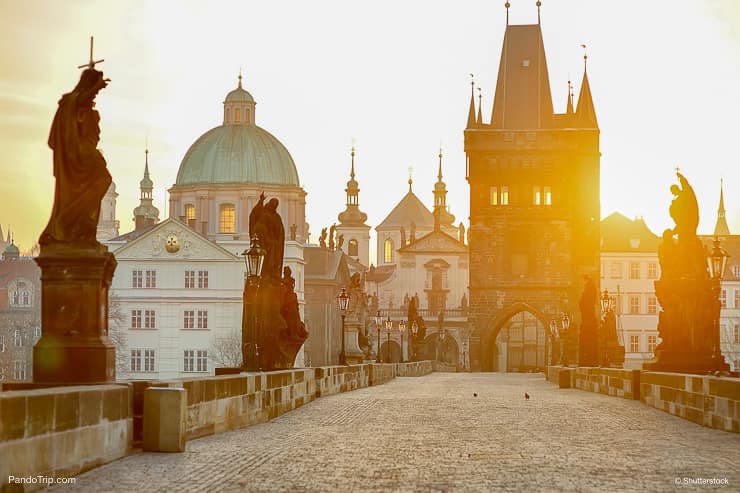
(585, 112)
(721, 228)
(146, 214)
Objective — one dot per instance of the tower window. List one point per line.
(227, 218)
(189, 212)
(237, 115)
(537, 196)
(494, 195)
(499, 195)
(547, 192)
(387, 251)
(353, 248)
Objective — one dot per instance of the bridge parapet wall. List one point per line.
(414, 369)
(616, 382)
(706, 400)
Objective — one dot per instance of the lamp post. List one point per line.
(388, 329)
(378, 323)
(343, 302)
(717, 262)
(254, 259)
(553, 337)
(606, 307)
(442, 334)
(565, 325)
(402, 329)
(414, 332)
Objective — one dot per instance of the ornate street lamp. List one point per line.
(402, 329)
(254, 258)
(343, 302)
(388, 329)
(442, 334)
(378, 323)
(717, 261)
(605, 302)
(414, 332)
(564, 325)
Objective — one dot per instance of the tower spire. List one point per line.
(471, 109)
(569, 109)
(507, 5)
(480, 106)
(539, 4)
(240, 78)
(721, 228)
(585, 112)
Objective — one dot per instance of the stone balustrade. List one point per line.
(59, 432)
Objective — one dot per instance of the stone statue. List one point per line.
(461, 232)
(684, 209)
(289, 308)
(413, 232)
(322, 238)
(79, 168)
(265, 222)
(340, 241)
(403, 237)
(332, 231)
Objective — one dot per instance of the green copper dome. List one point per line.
(237, 154)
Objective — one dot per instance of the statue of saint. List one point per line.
(332, 231)
(265, 222)
(684, 209)
(322, 238)
(340, 241)
(79, 168)
(461, 232)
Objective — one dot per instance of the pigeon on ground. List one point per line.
(475, 394)
(526, 396)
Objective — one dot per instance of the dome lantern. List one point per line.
(239, 106)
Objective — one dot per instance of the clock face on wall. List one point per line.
(172, 244)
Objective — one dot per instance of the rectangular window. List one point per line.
(737, 334)
(17, 338)
(634, 270)
(737, 298)
(504, 198)
(548, 195)
(634, 304)
(149, 319)
(494, 195)
(616, 270)
(151, 279)
(537, 196)
(189, 278)
(202, 319)
(189, 319)
(135, 319)
(136, 279)
(652, 343)
(149, 360)
(201, 360)
(19, 369)
(652, 270)
(634, 344)
(136, 360)
(2, 344)
(723, 298)
(652, 304)
(188, 360)
(202, 279)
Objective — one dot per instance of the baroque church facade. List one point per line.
(534, 207)
(178, 287)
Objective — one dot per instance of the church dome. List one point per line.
(12, 249)
(237, 154)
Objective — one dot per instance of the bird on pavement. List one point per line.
(526, 396)
(475, 394)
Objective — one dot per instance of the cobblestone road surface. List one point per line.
(432, 434)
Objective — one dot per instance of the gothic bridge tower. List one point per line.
(534, 209)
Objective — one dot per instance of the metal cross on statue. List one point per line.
(91, 63)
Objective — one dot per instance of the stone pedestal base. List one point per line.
(685, 362)
(352, 352)
(74, 347)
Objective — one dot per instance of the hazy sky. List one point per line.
(393, 75)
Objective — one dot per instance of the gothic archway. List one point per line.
(515, 340)
(390, 352)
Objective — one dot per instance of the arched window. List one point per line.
(189, 212)
(237, 115)
(353, 248)
(387, 251)
(227, 218)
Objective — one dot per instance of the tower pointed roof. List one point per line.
(352, 215)
(480, 108)
(569, 108)
(146, 214)
(522, 99)
(585, 112)
(440, 213)
(721, 228)
(471, 109)
(146, 182)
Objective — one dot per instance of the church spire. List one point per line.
(146, 214)
(471, 109)
(585, 112)
(480, 106)
(352, 215)
(441, 216)
(721, 228)
(569, 109)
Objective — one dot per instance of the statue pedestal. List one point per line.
(689, 327)
(74, 347)
(353, 355)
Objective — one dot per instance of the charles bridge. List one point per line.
(380, 427)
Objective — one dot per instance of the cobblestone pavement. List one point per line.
(432, 434)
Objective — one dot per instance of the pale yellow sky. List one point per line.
(393, 75)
